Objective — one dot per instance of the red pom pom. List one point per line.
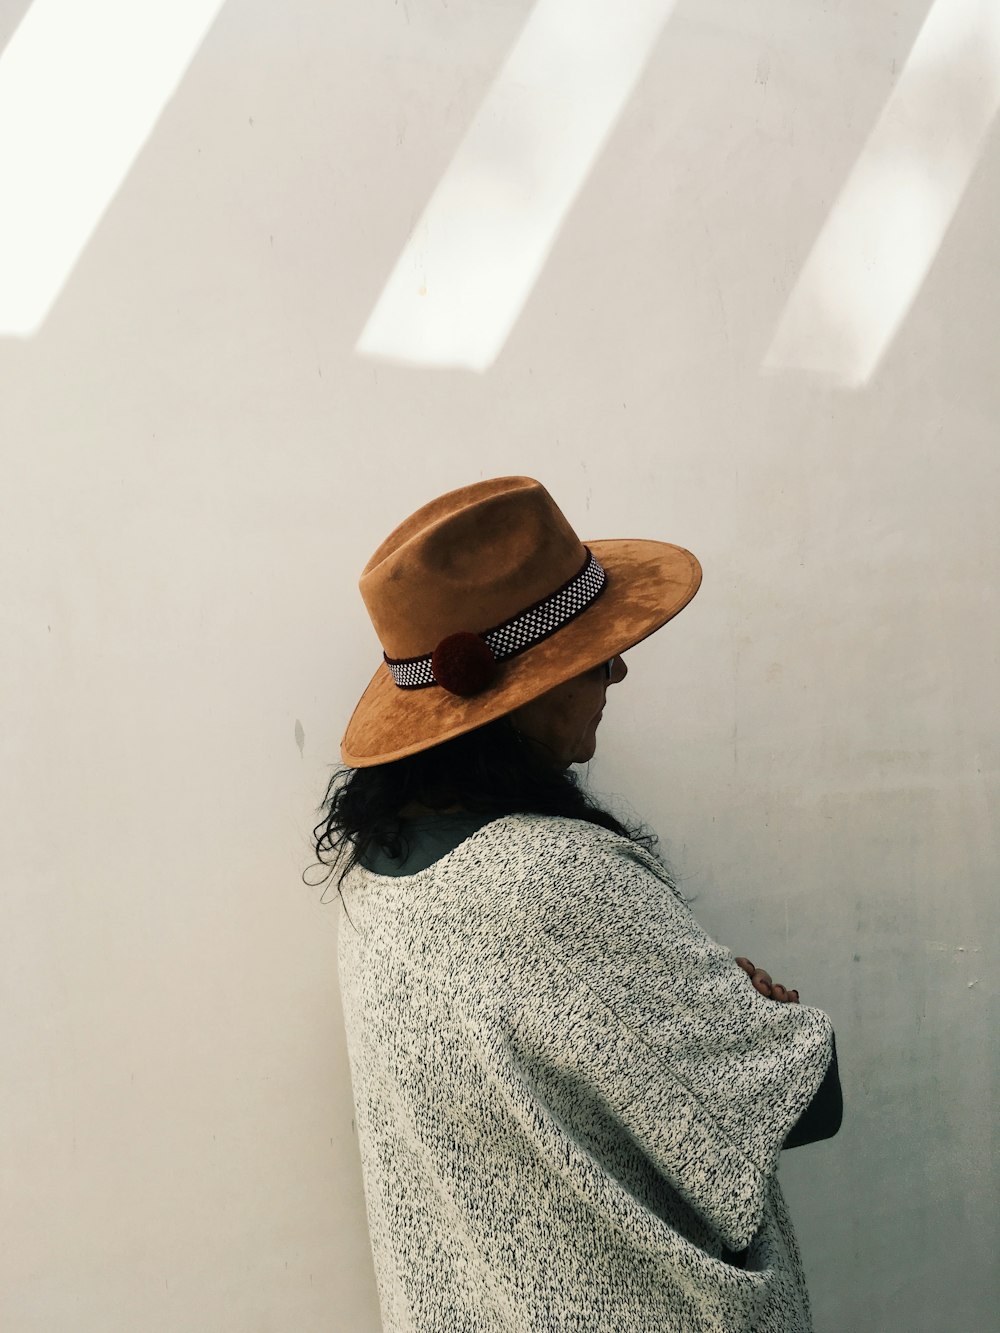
(463, 663)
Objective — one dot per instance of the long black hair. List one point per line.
(494, 770)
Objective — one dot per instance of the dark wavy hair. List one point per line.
(494, 770)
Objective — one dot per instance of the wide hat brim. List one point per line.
(648, 582)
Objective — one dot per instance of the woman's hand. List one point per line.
(763, 983)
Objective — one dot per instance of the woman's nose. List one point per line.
(618, 670)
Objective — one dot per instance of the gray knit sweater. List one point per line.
(570, 1101)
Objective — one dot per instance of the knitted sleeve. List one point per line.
(665, 1030)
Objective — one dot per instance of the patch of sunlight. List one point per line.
(81, 88)
(886, 227)
(468, 268)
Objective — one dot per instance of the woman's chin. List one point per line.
(585, 751)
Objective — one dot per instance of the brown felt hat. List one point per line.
(486, 598)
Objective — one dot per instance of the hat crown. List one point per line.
(467, 561)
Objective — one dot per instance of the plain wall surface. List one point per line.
(197, 465)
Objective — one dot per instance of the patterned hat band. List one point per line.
(465, 663)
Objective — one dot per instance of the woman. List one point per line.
(570, 1101)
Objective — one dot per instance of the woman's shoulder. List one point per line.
(538, 830)
(561, 842)
(563, 876)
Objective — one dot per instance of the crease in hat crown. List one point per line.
(467, 561)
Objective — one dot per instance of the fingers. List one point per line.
(772, 990)
(762, 982)
(757, 975)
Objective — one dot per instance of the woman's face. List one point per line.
(566, 719)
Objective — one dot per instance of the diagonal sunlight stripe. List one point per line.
(472, 259)
(887, 225)
(81, 87)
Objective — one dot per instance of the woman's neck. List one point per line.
(414, 810)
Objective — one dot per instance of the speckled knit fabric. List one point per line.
(569, 1099)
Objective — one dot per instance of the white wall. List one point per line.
(197, 466)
